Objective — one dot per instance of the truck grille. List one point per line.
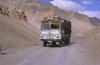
(51, 36)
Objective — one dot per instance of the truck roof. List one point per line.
(51, 18)
(54, 19)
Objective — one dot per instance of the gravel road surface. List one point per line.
(39, 55)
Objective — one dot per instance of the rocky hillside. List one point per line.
(33, 8)
(30, 10)
(13, 34)
(95, 21)
(91, 45)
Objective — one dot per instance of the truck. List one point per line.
(55, 30)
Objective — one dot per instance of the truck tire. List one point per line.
(44, 44)
(60, 43)
(67, 41)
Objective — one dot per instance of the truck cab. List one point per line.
(52, 30)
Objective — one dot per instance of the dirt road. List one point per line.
(38, 55)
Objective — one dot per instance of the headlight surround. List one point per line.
(44, 35)
(57, 36)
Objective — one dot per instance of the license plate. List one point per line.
(50, 41)
(57, 43)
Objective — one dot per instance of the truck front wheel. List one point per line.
(44, 44)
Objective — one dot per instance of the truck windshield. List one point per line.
(45, 26)
(54, 25)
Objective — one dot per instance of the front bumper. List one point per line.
(54, 40)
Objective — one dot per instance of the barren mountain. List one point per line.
(20, 25)
(95, 21)
(13, 34)
(30, 10)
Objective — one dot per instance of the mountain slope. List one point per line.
(95, 21)
(31, 12)
(14, 34)
(91, 44)
(28, 10)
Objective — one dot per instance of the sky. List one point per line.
(90, 8)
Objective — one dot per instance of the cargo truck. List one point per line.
(55, 30)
